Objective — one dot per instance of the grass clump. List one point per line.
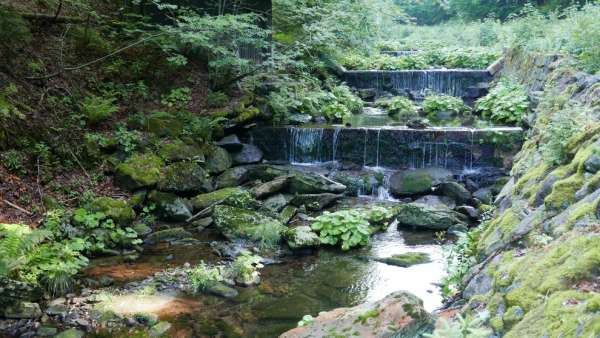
(203, 277)
(98, 108)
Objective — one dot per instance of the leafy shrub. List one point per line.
(460, 327)
(200, 128)
(349, 227)
(344, 95)
(507, 102)
(460, 257)
(245, 267)
(217, 99)
(97, 108)
(378, 216)
(435, 104)
(14, 161)
(487, 33)
(204, 277)
(563, 125)
(400, 107)
(33, 256)
(127, 140)
(178, 98)
(101, 233)
(336, 111)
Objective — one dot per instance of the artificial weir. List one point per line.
(454, 148)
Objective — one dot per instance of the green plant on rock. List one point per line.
(507, 103)
(306, 320)
(245, 268)
(460, 257)
(35, 257)
(344, 95)
(336, 111)
(101, 234)
(433, 105)
(203, 277)
(562, 127)
(127, 140)
(461, 327)
(349, 227)
(97, 108)
(401, 108)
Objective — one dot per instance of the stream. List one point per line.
(292, 287)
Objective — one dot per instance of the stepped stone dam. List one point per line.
(457, 149)
(465, 83)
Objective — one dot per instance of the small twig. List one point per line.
(80, 165)
(60, 5)
(39, 187)
(203, 211)
(17, 207)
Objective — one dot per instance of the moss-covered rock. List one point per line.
(416, 182)
(301, 237)
(185, 178)
(140, 171)
(217, 159)
(171, 234)
(175, 151)
(163, 124)
(235, 223)
(203, 201)
(170, 207)
(419, 215)
(315, 202)
(406, 260)
(232, 177)
(117, 210)
(309, 183)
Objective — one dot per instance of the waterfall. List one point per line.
(377, 160)
(336, 135)
(305, 145)
(365, 149)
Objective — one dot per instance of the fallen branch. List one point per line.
(120, 50)
(203, 212)
(17, 207)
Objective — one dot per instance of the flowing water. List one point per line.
(298, 285)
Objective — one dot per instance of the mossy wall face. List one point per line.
(545, 236)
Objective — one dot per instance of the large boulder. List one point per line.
(22, 310)
(302, 237)
(139, 171)
(315, 202)
(236, 223)
(170, 207)
(204, 201)
(217, 159)
(276, 202)
(247, 155)
(176, 151)
(399, 314)
(435, 201)
(417, 215)
(231, 143)
(418, 182)
(117, 210)
(455, 191)
(309, 183)
(185, 178)
(233, 177)
(14, 291)
(271, 187)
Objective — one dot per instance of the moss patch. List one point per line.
(205, 200)
(406, 259)
(118, 210)
(140, 171)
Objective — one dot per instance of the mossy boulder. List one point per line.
(117, 210)
(417, 215)
(203, 201)
(171, 234)
(163, 124)
(315, 202)
(399, 314)
(185, 178)
(236, 223)
(455, 191)
(170, 207)
(232, 177)
(176, 151)
(310, 183)
(23, 310)
(139, 171)
(217, 159)
(249, 154)
(418, 182)
(406, 260)
(302, 237)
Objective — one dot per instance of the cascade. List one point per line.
(336, 135)
(305, 145)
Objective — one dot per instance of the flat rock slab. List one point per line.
(406, 260)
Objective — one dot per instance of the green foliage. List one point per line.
(343, 95)
(204, 277)
(14, 161)
(217, 99)
(563, 125)
(245, 267)
(435, 104)
(101, 233)
(8, 110)
(461, 327)
(336, 111)
(350, 228)
(306, 320)
(199, 128)
(127, 140)
(13, 31)
(507, 103)
(177, 98)
(97, 108)
(400, 107)
(32, 256)
(460, 257)
(426, 12)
